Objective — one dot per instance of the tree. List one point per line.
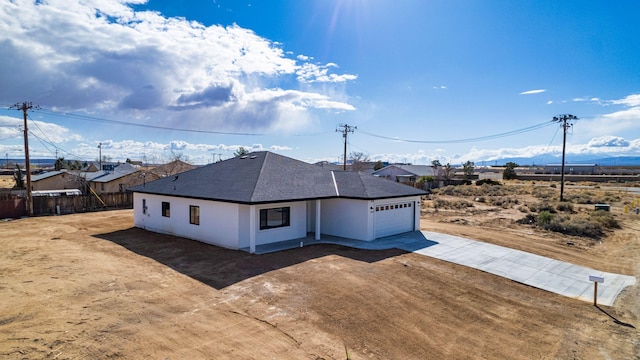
(468, 169)
(509, 172)
(448, 171)
(241, 151)
(60, 164)
(435, 164)
(17, 176)
(378, 165)
(358, 161)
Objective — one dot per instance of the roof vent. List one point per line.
(253, 157)
(243, 157)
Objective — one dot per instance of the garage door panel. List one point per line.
(394, 218)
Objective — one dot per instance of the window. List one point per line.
(144, 206)
(166, 211)
(101, 186)
(274, 218)
(194, 215)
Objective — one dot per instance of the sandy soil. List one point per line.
(90, 286)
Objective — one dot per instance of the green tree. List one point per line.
(435, 165)
(60, 164)
(468, 169)
(241, 151)
(509, 172)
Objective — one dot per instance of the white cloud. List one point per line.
(530, 92)
(74, 55)
(12, 128)
(631, 100)
(608, 141)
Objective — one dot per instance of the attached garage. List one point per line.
(394, 218)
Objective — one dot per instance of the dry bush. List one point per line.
(456, 205)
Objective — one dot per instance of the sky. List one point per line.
(417, 80)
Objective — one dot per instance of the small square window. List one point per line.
(166, 209)
(194, 215)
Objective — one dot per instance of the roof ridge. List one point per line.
(262, 166)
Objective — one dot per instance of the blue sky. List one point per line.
(201, 78)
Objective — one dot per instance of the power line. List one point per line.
(457, 141)
(109, 121)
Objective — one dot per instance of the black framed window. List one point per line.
(194, 215)
(274, 218)
(166, 209)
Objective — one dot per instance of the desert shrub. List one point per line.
(487, 181)
(553, 186)
(564, 207)
(544, 218)
(523, 209)
(446, 204)
(605, 219)
(504, 202)
(543, 192)
(575, 226)
(542, 206)
(529, 219)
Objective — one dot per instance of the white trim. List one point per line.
(334, 183)
(318, 210)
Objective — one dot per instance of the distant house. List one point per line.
(121, 178)
(571, 169)
(263, 198)
(406, 174)
(169, 169)
(55, 180)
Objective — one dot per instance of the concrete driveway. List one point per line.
(552, 275)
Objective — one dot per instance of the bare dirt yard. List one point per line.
(91, 286)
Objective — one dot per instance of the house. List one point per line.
(406, 174)
(263, 198)
(55, 180)
(573, 169)
(119, 179)
(172, 168)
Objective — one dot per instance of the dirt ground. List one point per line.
(91, 286)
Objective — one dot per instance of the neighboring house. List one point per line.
(406, 174)
(262, 198)
(55, 180)
(573, 169)
(172, 168)
(120, 179)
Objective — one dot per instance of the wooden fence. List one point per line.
(50, 205)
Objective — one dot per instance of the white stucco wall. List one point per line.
(346, 218)
(218, 221)
(296, 230)
(222, 224)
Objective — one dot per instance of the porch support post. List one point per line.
(318, 219)
(252, 229)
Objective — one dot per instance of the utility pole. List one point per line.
(100, 154)
(25, 107)
(566, 123)
(345, 129)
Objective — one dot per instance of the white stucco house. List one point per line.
(263, 198)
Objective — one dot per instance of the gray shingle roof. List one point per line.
(265, 177)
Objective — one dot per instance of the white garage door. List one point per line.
(394, 218)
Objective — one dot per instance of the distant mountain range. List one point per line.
(572, 159)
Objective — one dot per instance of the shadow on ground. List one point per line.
(219, 267)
